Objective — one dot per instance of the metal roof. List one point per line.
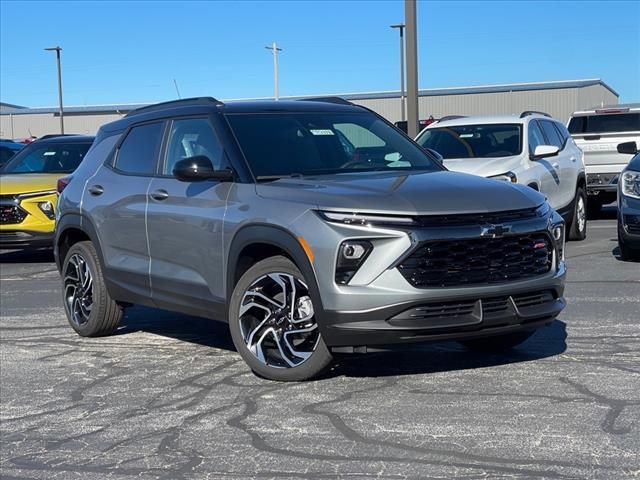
(512, 87)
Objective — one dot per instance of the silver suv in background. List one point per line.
(532, 149)
(598, 132)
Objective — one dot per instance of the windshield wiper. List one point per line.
(271, 178)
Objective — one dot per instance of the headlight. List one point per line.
(47, 209)
(631, 184)
(350, 218)
(506, 177)
(351, 256)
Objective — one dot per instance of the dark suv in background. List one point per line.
(313, 227)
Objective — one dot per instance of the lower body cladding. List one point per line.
(16, 239)
(449, 314)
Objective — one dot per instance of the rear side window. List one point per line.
(562, 131)
(138, 153)
(551, 133)
(605, 123)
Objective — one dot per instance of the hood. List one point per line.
(17, 183)
(485, 167)
(417, 194)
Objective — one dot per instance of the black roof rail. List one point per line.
(533, 112)
(337, 100)
(54, 135)
(176, 103)
(450, 117)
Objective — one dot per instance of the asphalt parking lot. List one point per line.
(168, 397)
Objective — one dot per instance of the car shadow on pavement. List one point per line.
(449, 356)
(201, 331)
(27, 256)
(408, 359)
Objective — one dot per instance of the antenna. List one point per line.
(176, 85)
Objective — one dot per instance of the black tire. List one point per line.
(578, 227)
(626, 253)
(308, 368)
(105, 314)
(497, 343)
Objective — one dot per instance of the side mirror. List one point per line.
(628, 147)
(543, 151)
(199, 168)
(439, 157)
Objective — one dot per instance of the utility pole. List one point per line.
(58, 50)
(412, 67)
(274, 48)
(400, 27)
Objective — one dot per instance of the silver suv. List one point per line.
(532, 149)
(312, 227)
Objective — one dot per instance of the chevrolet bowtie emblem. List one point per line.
(494, 231)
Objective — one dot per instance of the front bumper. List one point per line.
(10, 239)
(456, 314)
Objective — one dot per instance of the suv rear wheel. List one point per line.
(578, 227)
(273, 323)
(90, 310)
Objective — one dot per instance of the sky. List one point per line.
(131, 52)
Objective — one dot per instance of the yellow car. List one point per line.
(28, 189)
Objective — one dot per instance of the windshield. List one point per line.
(283, 144)
(609, 123)
(49, 158)
(474, 141)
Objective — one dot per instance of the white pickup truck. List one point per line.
(598, 132)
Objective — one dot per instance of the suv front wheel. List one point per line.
(273, 323)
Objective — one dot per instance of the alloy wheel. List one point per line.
(78, 289)
(581, 214)
(277, 320)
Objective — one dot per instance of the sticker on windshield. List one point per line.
(48, 154)
(321, 132)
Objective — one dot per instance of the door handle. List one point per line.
(555, 165)
(160, 195)
(96, 190)
(573, 159)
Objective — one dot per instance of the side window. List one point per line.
(551, 133)
(189, 138)
(138, 153)
(562, 131)
(535, 136)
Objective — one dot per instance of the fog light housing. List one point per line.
(557, 232)
(351, 256)
(47, 209)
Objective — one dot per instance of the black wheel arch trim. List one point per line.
(80, 222)
(275, 236)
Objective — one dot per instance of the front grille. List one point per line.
(11, 214)
(450, 263)
(476, 218)
(14, 236)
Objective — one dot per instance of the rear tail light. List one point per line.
(62, 183)
(611, 110)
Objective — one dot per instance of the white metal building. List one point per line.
(559, 99)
